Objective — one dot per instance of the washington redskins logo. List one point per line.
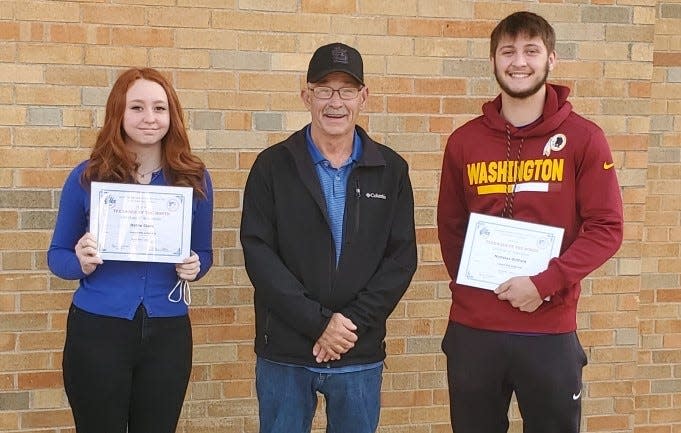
(555, 144)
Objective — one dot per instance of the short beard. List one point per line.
(525, 93)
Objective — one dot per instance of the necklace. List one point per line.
(146, 173)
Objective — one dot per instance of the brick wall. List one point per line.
(238, 67)
(658, 378)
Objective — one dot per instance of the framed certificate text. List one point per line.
(141, 222)
(496, 249)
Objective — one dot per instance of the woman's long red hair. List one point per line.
(110, 160)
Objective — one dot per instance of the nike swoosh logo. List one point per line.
(576, 396)
(608, 166)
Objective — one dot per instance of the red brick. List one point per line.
(468, 29)
(666, 59)
(329, 6)
(40, 380)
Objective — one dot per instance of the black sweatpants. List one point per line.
(126, 375)
(484, 368)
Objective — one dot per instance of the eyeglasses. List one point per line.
(324, 92)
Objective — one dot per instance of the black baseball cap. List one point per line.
(336, 57)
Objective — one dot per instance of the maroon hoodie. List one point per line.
(561, 170)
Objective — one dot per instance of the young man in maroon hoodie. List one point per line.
(527, 158)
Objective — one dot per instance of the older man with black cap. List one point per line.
(328, 236)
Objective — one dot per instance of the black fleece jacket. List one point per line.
(290, 257)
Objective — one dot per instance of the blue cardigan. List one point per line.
(117, 288)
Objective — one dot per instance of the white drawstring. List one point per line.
(184, 293)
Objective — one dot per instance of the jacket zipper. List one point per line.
(358, 195)
(267, 327)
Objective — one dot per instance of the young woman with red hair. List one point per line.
(128, 350)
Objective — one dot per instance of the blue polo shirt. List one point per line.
(334, 182)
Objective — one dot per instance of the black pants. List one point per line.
(484, 368)
(126, 375)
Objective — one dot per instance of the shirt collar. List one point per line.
(317, 156)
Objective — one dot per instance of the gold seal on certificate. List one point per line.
(147, 223)
(496, 249)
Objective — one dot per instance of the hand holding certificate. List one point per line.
(496, 249)
(141, 222)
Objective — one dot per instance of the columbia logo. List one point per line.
(375, 195)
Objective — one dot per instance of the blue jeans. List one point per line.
(287, 398)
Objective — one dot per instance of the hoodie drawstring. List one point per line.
(508, 205)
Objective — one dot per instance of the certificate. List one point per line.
(496, 249)
(147, 223)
